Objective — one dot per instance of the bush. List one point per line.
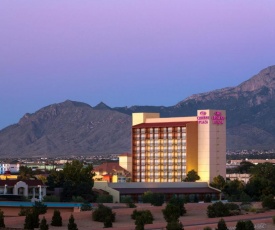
(128, 201)
(268, 202)
(178, 202)
(156, 199)
(222, 225)
(86, 206)
(72, 225)
(39, 207)
(171, 212)
(78, 199)
(56, 219)
(108, 222)
(245, 225)
(207, 228)
(102, 212)
(2, 223)
(31, 220)
(43, 225)
(217, 209)
(51, 199)
(174, 225)
(147, 217)
(104, 199)
(24, 211)
(273, 219)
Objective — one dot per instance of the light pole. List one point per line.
(40, 195)
(5, 190)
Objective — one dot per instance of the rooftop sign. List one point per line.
(217, 119)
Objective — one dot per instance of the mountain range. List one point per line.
(75, 128)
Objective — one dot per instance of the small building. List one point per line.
(31, 189)
(136, 189)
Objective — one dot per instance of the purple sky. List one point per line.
(127, 53)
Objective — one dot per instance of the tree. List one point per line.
(245, 225)
(2, 223)
(102, 212)
(217, 209)
(76, 179)
(156, 199)
(222, 225)
(31, 220)
(39, 207)
(147, 217)
(178, 202)
(25, 173)
(56, 219)
(233, 190)
(245, 166)
(171, 212)
(43, 225)
(218, 182)
(174, 225)
(192, 176)
(72, 225)
(268, 202)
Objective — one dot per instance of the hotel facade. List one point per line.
(165, 149)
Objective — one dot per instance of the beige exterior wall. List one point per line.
(139, 118)
(126, 162)
(211, 144)
(192, 146)
(104, 185)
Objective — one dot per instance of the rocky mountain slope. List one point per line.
(68, 128)
(75, 128)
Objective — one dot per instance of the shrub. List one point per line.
(273, 219)
(217, 209)
(232, 206)
(207, 228)
(147, 217)
(268, 202)
(43, 225)
(174, 225)
(245, 225)
(171, 212)
(156, 199)
(56, 219)
(31, 220)
(2, 223)
(72, 225)
(178, 202)
(51, 199)
(86, 206)
(102, 212)
(108, 222)
(222, 225)
(104, 199)
(78, 199)
(128, 201)
(24, 211)
(39, 207)
(139, 223)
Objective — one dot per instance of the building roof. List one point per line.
(110, 168)
(162, 124)
(167, 187)
(28, 182)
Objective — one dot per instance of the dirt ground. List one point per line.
(195, 219)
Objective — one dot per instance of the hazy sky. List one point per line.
(130, 52)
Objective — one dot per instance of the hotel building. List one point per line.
(165, 149)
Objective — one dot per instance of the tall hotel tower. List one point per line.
(165, 149)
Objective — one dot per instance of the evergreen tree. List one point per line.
(72, 225)
(171, 212)
(29, 221)
(43, 225)
(56, 219)
(222, 225)
(2, 223)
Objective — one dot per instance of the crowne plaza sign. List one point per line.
(217, 118)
